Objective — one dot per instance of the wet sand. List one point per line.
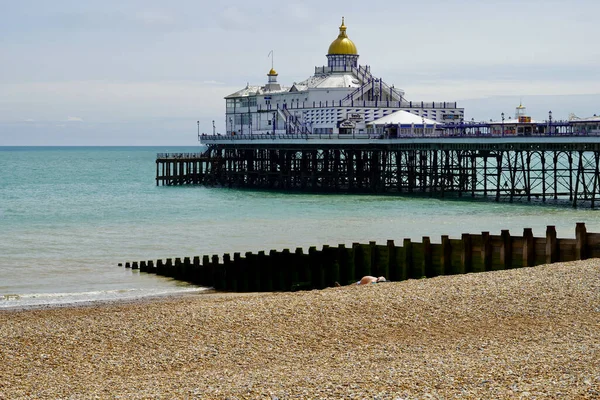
(524, 333)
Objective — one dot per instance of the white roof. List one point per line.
(256, 90)
(403, 117)
(327, 81)
(334, 80)
(595, 118)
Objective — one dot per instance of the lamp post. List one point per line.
(550, 121)
(198, 122)
(502, 115)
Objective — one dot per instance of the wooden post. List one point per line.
(304, 271)
(285, 267)
(402, 273)
(506, 249)
(333, 267)
(275, 270)
(227, 271)
(551, 245)
(342, 259)
(296, 267)
(314, 260)
(366, 253)
(177, 269)
(127, 265)
(528, 248)
(373, 260)
(134, 265)
(207, 272)
(319, 271)
(359, 261)
(143, 267)
(326, 266)
(249, 272)
(427, 257)
(581, 238)
(185, 269)
(392, 264)
(197, 273)
(486, 251)
(168, 270)
(408, 258)
(260, 274)
(151, 267)
(221, 273)
(351, 269)
(467, 254)
(216, 272)
(446, 261)
(236, 270)
(159, 267)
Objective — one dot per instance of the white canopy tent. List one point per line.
(403, 118)
(404, 123)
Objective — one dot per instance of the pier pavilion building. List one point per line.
(340, 98)
(343, 130)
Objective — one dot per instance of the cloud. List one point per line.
(232, 18)
(100, 101)
(155, 18)
(212, 82)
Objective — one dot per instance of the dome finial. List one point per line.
(342, 30)
(272, 72)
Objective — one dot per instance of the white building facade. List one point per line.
(340, 98)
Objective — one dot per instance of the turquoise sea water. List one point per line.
(69, 215)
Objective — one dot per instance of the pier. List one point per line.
(542, 168)
(285, 270)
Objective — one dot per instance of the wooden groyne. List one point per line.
(285, 270)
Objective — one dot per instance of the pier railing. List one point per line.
(317, 269)
(434, 133)
(179, 156)
(358, 103)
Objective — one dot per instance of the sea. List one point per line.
(70, 215)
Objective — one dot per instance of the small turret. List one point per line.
(272, 83)
(521, 114)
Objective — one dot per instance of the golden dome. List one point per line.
(342, 45)
(272, 72)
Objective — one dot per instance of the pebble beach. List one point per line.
(522, 333)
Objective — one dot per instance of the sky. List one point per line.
(144, 72)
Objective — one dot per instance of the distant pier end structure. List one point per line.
(345, 130)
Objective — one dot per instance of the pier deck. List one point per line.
(563, 168)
